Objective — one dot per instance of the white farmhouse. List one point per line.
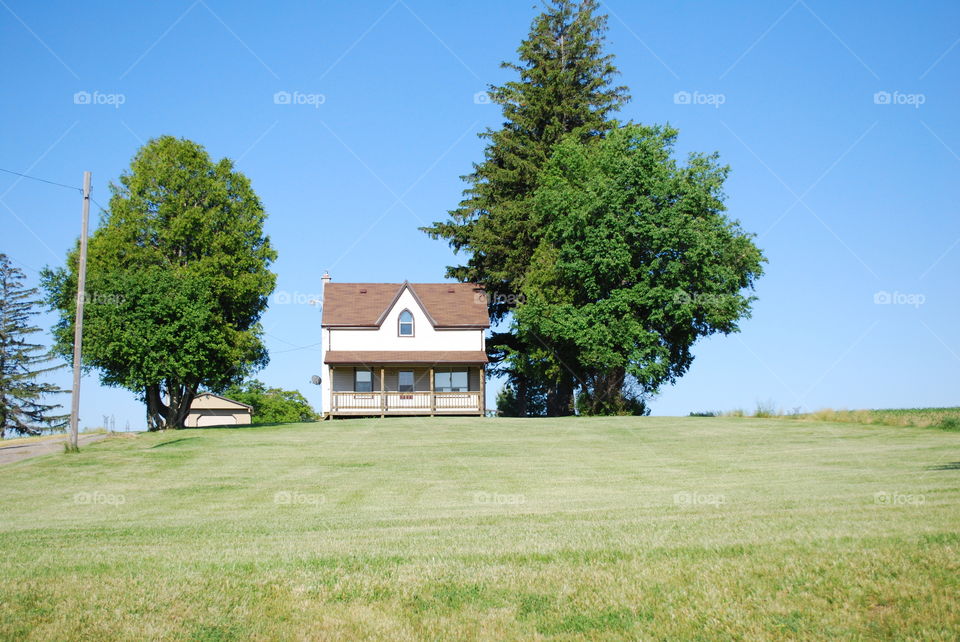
(403, 348)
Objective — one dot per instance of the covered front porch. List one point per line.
(413, 388)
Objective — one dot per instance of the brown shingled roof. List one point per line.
(371, 357)
(449, 305)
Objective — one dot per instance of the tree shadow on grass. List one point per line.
(246, 426)
(953, 465)
(171, 441)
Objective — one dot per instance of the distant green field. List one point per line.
(442, 529)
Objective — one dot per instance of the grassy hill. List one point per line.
(652, 528)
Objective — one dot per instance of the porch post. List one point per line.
(483, 394)
(330, 406)
(433, 395)
(383, 396)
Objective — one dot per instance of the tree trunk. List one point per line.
(171, 416)
(521, 390)
(560, 397)
(156, 411)
(607, 397)
(186, 397)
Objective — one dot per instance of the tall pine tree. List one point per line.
(565, 87)
(22, 406)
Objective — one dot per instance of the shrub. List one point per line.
(272, 405)
(949, 423)
(766, 409)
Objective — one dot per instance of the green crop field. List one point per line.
(442, 529)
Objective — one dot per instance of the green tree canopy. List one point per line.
(635, 261)
(272, 405)
(23, 408)
(177, 279)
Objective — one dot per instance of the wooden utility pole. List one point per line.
(78, 323)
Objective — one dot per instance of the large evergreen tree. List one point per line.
(564, 87)
(178, 279)
(23, 408)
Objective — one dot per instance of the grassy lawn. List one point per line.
(639, 528)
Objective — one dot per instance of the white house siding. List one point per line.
(385, 337)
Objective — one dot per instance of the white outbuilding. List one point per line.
(209, 409)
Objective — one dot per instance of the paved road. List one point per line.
(18, 452)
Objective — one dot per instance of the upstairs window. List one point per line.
(406, 324)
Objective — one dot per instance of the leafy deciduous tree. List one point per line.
(177, 278)
(635, 261)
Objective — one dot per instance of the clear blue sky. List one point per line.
(851, 193)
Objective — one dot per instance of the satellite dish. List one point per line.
(315, 380)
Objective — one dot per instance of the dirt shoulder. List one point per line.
(18, 452)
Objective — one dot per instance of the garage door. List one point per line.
(215, 420)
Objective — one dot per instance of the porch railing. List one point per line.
(399, 402)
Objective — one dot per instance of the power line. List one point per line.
(102, 208)
(312, 345)
(42, 180)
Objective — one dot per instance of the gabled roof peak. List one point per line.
(365, 305)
